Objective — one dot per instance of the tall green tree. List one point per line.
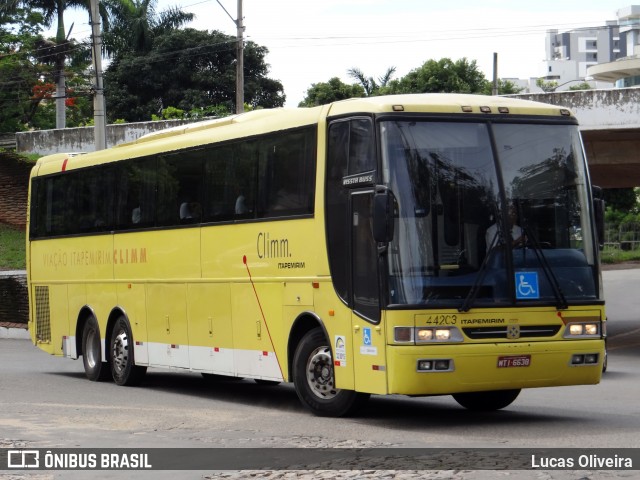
(187, 69)
(58, 51)
(444, 75)
(19, 32)
(326, 92)
(134, 24)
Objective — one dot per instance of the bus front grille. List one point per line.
(43, 314)
(485, 333)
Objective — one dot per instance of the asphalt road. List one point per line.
(46, 402)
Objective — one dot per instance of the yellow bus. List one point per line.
(428, 244)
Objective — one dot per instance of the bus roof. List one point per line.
(272, 120)
(446, 103)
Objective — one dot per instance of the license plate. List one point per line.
(514, 361)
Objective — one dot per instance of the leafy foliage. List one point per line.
(370, 85)
(331, 91)
(19, 30)
(444, 75)
(187, 69)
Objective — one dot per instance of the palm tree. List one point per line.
(135, 23)
(370, 85)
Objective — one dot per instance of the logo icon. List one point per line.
(513, 332)
(23, 459)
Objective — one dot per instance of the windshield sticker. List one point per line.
(527, 286)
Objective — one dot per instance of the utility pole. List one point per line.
(494, 90)
(240, 62)
(99, 113)
(239, 56)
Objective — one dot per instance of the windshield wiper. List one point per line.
(482, 272)
(546, 268)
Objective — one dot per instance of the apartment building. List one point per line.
(604, 56)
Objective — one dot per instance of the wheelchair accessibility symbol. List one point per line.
(527, 285)
(366, 336)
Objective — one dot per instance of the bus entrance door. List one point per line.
(368, 335)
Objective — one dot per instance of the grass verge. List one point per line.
(12, 248)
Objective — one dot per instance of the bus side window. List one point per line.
(136, 194)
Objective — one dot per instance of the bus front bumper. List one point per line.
(446, 369)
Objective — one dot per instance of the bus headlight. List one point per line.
(426, 335)
(582, 330)
(440, 334)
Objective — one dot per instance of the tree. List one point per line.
(56, 52)
(505, 87)
(581, 86)
(444, 75)
(26, 85)
(622, 199)
(331, 91)
(369, 84)
(546, 86)
(134, 24)
(19, 30)
(201, 75)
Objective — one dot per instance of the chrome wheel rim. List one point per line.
(320, 374)
(92, 347)
(120, 351)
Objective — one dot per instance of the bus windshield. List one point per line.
(488, 213)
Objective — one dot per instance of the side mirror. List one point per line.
(598, 212)
(383, 215)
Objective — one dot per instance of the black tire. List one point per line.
(123, 368)
(94, 368)
(314, 379)
(486, 401)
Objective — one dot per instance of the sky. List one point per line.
(312, 41)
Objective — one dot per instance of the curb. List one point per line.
(19, 333)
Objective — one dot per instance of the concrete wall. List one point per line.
(597, 109)
(70, 140)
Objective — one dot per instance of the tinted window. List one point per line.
(350, 150)
(268, 176)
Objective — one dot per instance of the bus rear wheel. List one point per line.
(123, 367)
(94, 368)
(314, 379)
(486, 401)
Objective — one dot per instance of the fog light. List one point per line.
(577, 359)
(591, 358)
(442, 364)
(425, 365)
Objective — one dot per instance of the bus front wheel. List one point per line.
(486, 401)
(314, 379)
(94, 368)
(123, 367)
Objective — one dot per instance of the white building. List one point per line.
(624, 69)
